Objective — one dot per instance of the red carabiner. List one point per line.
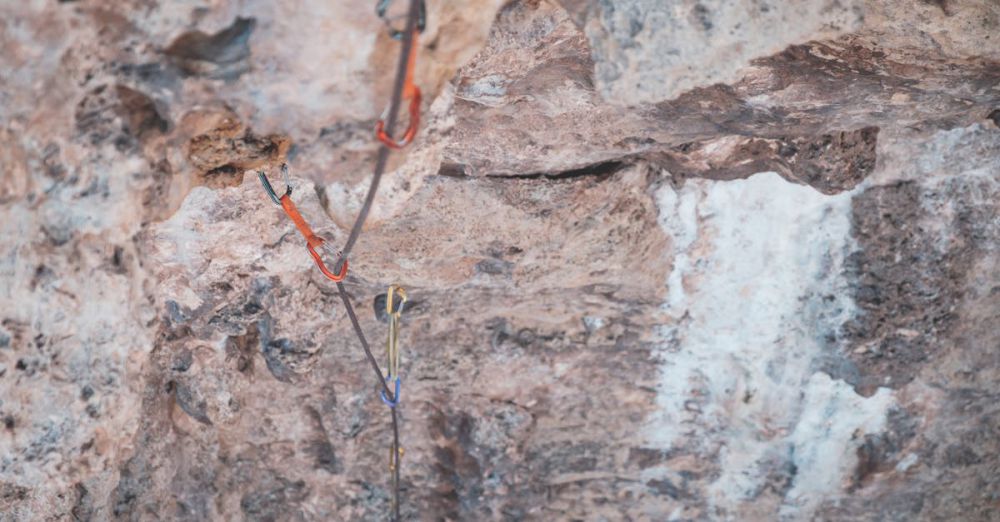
(411, 92)
(411, 130)
(312, 240)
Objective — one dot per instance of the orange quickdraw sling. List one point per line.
(312, 240)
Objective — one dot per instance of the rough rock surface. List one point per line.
(648, 51)
(715, 260)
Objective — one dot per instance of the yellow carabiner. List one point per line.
(393, 310)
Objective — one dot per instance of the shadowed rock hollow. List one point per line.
(668, 260)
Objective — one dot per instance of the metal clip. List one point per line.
(394, 459)
(270, 190)
(395, 298)
(392, 342)
(336, 278)
(382, 7)
(411, 129)
(395, 393)
(312, 240)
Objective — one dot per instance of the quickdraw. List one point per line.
(392, 342)
(392, 374)
(312, 240)
(403, 89)
(410, 90)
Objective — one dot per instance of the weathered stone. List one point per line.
(753, 279)
(647, 51)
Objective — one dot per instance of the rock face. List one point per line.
(648, 51)
(714, 260)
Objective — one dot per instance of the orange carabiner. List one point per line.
(411, 92)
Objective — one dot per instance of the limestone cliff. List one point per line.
(667, 260)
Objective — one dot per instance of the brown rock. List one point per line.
(687, 260)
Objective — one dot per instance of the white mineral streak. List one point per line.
(830, 427)
(757, 285)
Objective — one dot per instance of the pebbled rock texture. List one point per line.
(714, 260)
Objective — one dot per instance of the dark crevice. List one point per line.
(453, 170)
(225, 170)
(324, 200)
(227, 46)
(995, 116)
(224, 55)
(601, 170)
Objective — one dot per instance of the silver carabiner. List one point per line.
(382, 7)
(270, 190)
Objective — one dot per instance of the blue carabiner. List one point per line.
(395, 402)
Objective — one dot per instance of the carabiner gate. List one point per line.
(410, 90)
(382, 7)
(270, 190)
(393, 309)
(411, 129)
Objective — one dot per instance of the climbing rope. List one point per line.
(403, 88)
(410, 92)
(402, 69)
